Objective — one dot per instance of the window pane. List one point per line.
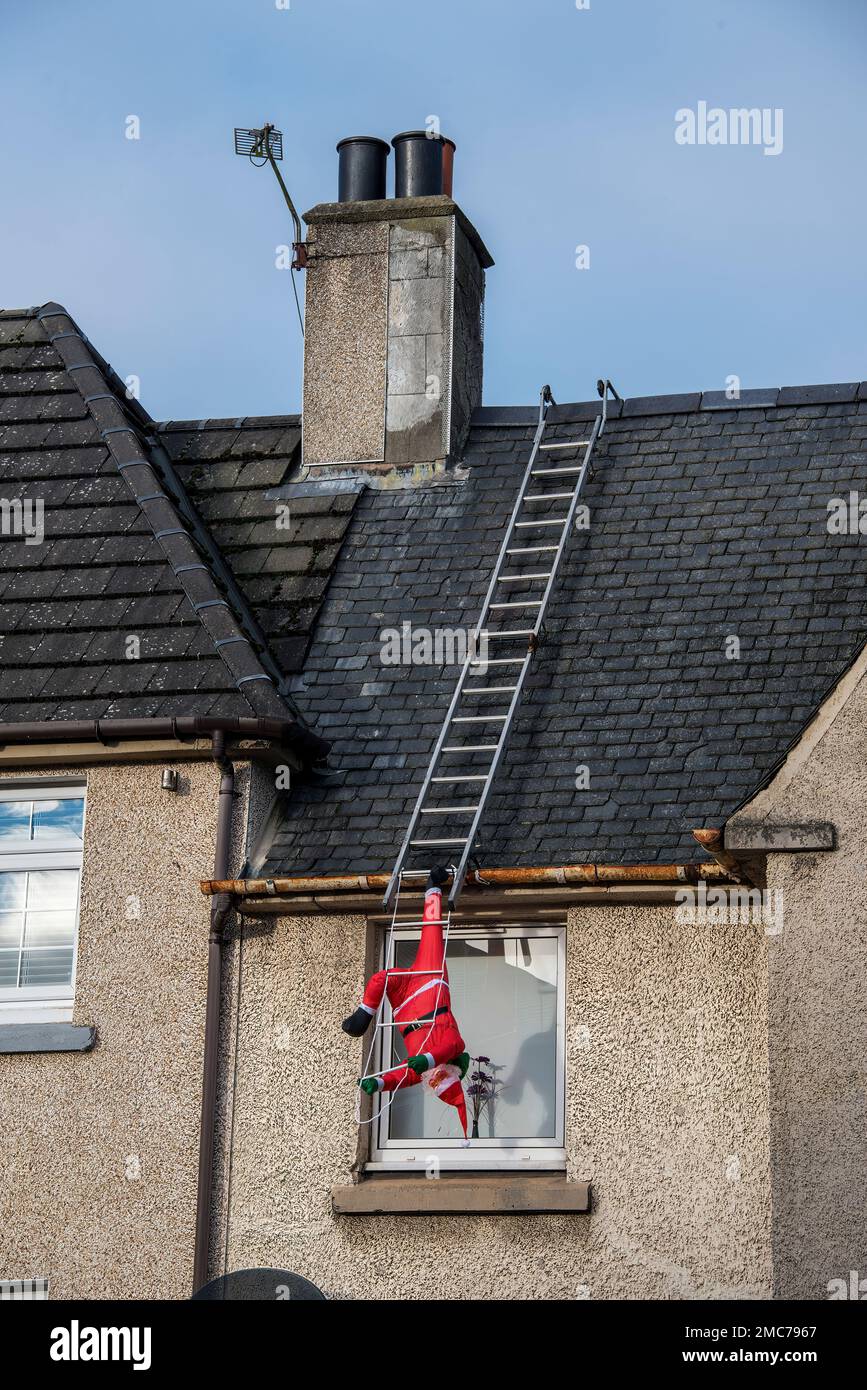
(58, 820)
(10, 928)
(49, 929)
(14, 820)
(52, 888)
(12, 887)
(504, 995)
(8, 969)
(46, 967)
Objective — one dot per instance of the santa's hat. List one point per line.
(445, 1082)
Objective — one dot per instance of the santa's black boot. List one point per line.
(357, 1023)
(438, 877)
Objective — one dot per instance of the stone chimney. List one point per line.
(393, 324)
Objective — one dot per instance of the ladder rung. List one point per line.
(531, 549)
(517, 578)
(555, 521)
(477, 718)
(545, 496)
(489, 689)
(520, 603)
(512, 632)
(549, 472)
(439, 842)
(463, 777)
(448, 810)
(416, 922)
(568, 444)
(500, 661)
(470, 748)
(389, 971)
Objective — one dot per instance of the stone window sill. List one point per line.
(480, 1193)
(46, 1037)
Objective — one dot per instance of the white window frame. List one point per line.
(23, 1289)
(43, 1003)
(408, 1155)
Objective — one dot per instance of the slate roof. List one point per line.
(708, 519)
(124, 555)
(233, 471)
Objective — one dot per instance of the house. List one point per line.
(228, 649)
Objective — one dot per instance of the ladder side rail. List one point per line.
(463, 862)
(510, 528)
(462, 865)
(567, 523)
(411, 828)
(470, 656)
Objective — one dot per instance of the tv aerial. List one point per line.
(262, 147)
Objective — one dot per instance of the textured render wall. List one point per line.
(818, 1010)
(667, 1114)
(668, 1104)
(345, 343)
(99, 1150)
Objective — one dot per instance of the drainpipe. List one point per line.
(221, 907)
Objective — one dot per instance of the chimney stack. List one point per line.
(393, 331)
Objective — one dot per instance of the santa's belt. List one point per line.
(428, 1018)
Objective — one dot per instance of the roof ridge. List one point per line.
(183, 555)
(748, 398)
(216, 422)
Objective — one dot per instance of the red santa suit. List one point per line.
(421, 1008)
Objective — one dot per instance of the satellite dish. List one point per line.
(259, 1286)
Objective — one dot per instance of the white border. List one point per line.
(44, 1003)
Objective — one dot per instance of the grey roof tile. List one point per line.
(237, 474)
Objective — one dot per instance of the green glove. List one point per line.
(418, 1064)
(368, 1084)
(462, 1062)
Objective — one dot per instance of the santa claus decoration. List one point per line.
(421, 1010)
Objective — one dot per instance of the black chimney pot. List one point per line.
(422, 164)
(361, 176)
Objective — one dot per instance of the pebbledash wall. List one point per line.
(667, 1115)
(817, 1003)
(99, 1149)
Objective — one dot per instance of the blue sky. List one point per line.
(705, 261)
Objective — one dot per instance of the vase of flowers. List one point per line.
(481, 1090)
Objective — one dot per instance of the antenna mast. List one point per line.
(266, 146)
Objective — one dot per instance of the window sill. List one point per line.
(35, 1011)
(46, 1037)
(478, 1193)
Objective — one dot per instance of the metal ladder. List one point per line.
(529, 514)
